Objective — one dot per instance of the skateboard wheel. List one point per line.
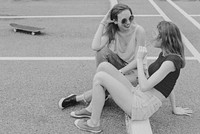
(33, 33)
(15, 30)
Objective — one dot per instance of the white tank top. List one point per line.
(125, 44)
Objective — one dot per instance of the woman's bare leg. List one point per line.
(118, 88)
(100, 57)
(110, 69)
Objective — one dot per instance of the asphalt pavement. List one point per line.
(36, 71)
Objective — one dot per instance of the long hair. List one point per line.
(112, 28)
(171, 38)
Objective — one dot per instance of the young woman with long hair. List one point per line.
(116, 41)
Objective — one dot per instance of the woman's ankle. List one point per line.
(92, 123)
(80, 97)
(83, 98)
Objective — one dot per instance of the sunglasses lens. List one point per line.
(131, 18)
(124, 21)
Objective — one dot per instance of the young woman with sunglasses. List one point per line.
(116, 41)
(140, 102)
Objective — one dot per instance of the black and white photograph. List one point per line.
(100, 66)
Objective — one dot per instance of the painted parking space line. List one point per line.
(69, 16)
(64, 58)
(46, 58)
(195, 15)
(187, 43)
(113, 2)
(184, 14)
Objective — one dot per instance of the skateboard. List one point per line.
(31, 29)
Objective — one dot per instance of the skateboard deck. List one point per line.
(31, 29)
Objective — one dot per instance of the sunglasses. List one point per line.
(124, 21)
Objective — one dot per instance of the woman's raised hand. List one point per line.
(106, 18)
(142, 52)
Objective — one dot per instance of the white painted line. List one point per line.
(185, 14)
(159, 10)
(150, 15)
(187, 58)
(48, 58)
(113, 2)
(195, 15)
(187, 43)
(68, 16)
(55, 16)
(64, 58)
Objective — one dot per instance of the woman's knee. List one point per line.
(99, 77)
(104, 66)
(99, 80)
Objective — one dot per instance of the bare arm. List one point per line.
(155, 78)
(172, 100)
(130, 66)
(100, 40)
(178, 110)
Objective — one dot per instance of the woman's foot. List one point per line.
(67, 102)
(72, 101)
(83, 125)
(83, 113)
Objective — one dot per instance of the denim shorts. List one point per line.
(105, 54)
(144, 104)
